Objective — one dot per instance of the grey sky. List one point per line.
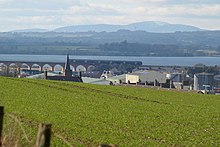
(49, 14)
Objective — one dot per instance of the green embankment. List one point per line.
(127, 116)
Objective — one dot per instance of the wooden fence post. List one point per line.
(108, 145)
(1, 123)
(44, 135)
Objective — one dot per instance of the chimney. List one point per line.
(155, 82)
(196, 82)
(45, 75)
(79, 74)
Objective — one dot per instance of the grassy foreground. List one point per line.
(127, 116)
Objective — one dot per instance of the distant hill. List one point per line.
(30, 30)
(118, 43)
(148, 26)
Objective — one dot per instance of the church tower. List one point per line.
(68, 71)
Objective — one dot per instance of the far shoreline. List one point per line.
(33, 54)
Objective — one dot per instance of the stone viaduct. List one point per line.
(76, 64)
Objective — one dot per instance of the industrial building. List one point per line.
(204, 81)
(145, 77)
(180, 80)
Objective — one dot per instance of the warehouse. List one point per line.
(145, 77)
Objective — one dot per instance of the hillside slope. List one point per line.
(127, 116)
(149, 26)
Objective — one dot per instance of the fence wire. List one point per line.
(15, 133)
(21, 132)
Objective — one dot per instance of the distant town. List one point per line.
(198, 78)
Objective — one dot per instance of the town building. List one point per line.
(150, 77)
(180, 80)
(67, 76)
(204, 81)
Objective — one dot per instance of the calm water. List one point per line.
(178, 61)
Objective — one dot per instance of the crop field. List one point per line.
(88, 115)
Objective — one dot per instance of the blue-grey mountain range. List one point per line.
(30, 30)
(148, 26)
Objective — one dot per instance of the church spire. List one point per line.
(67, 65)
(68, 71)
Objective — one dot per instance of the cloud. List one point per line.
(177, 10)
(5, 2)
(54, 13)
(93, 9)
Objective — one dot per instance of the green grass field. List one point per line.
(127, 116)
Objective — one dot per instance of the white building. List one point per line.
(145, 76)
(202, 81)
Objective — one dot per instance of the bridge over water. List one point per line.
(76, 64)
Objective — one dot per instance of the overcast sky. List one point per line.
(50, 14)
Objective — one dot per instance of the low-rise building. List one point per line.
(203, 81)
(145, 77)
(180, 80)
